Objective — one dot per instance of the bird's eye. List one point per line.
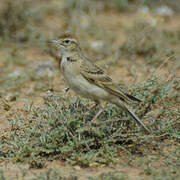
(66, 41)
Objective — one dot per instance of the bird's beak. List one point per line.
(52, 42)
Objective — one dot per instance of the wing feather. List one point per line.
(97, 76)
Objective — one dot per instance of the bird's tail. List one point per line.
(132, 98)
(136, 118)
(128, 111)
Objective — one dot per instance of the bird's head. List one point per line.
(66, 43)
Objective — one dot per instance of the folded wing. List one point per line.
(95, 75)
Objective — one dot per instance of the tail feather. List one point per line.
(120, 104)
(133, 98)
(136, 119)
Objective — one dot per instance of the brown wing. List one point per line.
(97, 76)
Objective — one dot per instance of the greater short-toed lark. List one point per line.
(88, 80)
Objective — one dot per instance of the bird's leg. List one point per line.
(92, 107)
(97, 114)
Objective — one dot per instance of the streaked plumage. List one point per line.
(88, 80)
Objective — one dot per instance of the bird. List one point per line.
(90, 81)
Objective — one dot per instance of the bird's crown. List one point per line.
(67, 39)
(66, 35)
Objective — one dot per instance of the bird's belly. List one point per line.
(82, 87)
